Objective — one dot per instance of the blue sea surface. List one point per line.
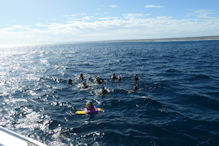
(176, 103)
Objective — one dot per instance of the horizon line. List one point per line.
(169, 39)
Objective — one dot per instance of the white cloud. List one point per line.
(153, 6)
(113, 6)
(90, 28)
(133, 15)
(200, 13)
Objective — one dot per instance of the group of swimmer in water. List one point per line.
(97, 80)
(90, 108)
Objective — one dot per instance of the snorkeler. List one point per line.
(119, 78)
(84, 85)
(113, 77)
(90, 108)
(97, 80)
(70, 81)
(136, 77)
(81, 76)
(135, 87)
(104, 91)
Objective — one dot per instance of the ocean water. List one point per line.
(177, 101)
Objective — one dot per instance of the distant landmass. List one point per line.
(170, 39)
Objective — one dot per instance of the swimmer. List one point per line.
(135, 87)
(70, 81)
(136, 77)
(113, 77)
(98, 81)
(119, 78)
(81, 76)
(90, 108)
(104, 91)
(84, 85)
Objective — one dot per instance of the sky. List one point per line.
(35, 22)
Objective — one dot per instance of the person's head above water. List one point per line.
(97, 80)
(135, 87)
(119, 78)
(135, 77)
(113, 76)
(81, 76)
(104, 91)
(70, 81)
(89, 103)
(84, 85)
